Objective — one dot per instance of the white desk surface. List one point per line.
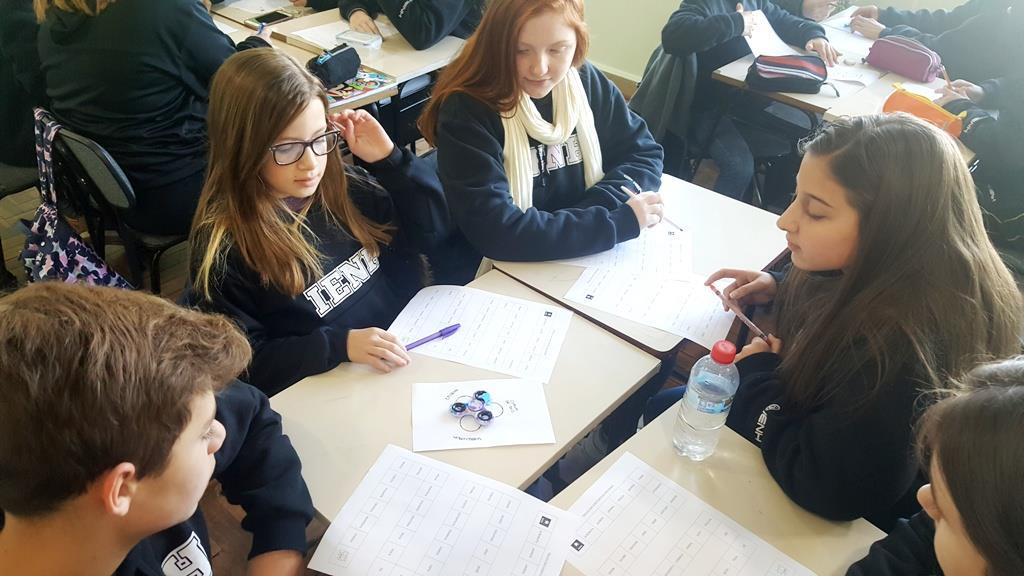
(240, 16)
(395, 57)
(871, 99)
(726, 234)
(735, 481)
(340, 421)
(242, 32)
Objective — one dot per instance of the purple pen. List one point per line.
(442, 333)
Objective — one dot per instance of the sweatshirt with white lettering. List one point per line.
(293, 338)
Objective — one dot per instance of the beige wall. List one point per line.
(624, 33)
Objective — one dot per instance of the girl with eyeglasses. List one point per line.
(309, 256)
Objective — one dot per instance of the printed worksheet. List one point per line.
(257, 6)
(517, 413)
(637, 522)
(763, 41)
(663, 251)
(413, 516)
(507, 335)
(687, 307)
(326, 35)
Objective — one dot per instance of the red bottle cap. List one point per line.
(723, 352)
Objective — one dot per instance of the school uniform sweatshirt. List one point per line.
(422, 22)
(992, 130)
(567, 219)
(295, 337)
(713, 30)
(908, 550)
(136, 80)
(978, 40)
(21, 82)
(258, 470)
(850, 457)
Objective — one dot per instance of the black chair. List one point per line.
(104, 194)
(400, 113)
(13, 179)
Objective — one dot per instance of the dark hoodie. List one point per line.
(422, 22)
(21, 82)
(135, 78)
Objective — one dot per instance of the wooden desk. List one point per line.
(726, 234)
(341, 420)
(735, 481)
(871, 99)
(395, 57)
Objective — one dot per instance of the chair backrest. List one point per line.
(109, 180)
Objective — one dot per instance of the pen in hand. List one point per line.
(739, 313)
(633, 194)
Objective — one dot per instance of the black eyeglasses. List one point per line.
(290, 152)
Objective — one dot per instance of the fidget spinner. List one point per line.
(474, 412)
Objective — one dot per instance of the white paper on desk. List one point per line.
(840, 20)
(856, 74)
(852, 47)
(325, 35)
(225, 28)
(414, 516)
(661, 251)
(520, 411)
(637, 522)
(257, 6)
(499, 333)
(763, 40)
(686, 308)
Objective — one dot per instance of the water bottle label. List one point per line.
(713, 407)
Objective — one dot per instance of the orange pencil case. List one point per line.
(903, 100)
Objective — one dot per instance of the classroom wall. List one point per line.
(623, 34)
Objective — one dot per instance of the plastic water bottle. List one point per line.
(709, 393)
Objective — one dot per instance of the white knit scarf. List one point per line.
(571, 112)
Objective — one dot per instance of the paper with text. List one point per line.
(857, 73)
(763, 41)
(519, 408)
(637, 522)
(660, 251)
(499, 333)
(257, 6)
(414, 516)
(686, 308)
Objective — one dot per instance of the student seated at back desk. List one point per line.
(887, 246)
(146, 389)
(534, 144)
(312, 258)
(973, 521)
(714, 31)
(978, 40)
(422, 23)
(134, 76)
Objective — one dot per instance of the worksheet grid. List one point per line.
(706, 534)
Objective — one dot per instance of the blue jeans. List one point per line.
(730, 152)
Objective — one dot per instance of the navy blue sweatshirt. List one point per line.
(136, 79)
(978, 40)
(21, 82)
(567, 218)
(295, 337)
(844, 459)
(992, 130)
(713, 30)
(422, 22)
(908, 550)
(258, 470)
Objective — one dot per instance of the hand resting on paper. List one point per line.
(377, 348)
(748, 286)
(961, 89)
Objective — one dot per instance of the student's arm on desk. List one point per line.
(931, 21)
(995, 140)
(425, 22)
(347, 7)
(204, 47)
(693, 28)
(470, 162)
(833, 463)
(792, 29)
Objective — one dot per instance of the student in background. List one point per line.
(714, 30)
(21, 82)
(973, 518)
(134, 77)
(310, 257)
(995, 121)
(144, 388)
(534, 144)
(978, 40)
(422, 22)
(894, 286)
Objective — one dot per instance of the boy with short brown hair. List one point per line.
(116, 408)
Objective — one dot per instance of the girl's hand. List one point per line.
(365, 136)
(360, 21)
(748, 21)
(748, 287)
(867, 12)
(758, 345)
(377, 348)
(647, 208)
(824, 50)
(867, 27)
(961, 89)
(817, 10)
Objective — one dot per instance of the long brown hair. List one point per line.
(87, 7)
(926, 287)
(976, 437)
(486, 67)
(253, 97)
